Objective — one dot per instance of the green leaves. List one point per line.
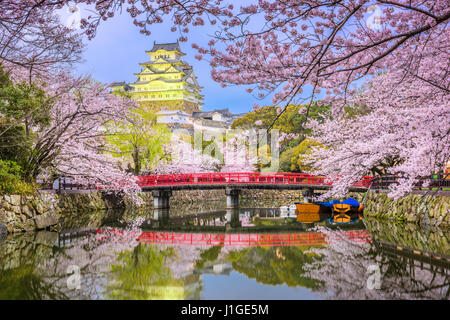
(11, 179)
(24, 111)
(291, 121)
(23, 104)
(138, 140)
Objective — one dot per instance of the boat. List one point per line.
(311, 212)
(346, 211)
(338, 211)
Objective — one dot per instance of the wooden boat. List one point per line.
(311, 212)
(343, 212)
(339, 211)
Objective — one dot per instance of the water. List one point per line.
(218, 254)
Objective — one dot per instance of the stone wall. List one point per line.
(415, 208)
(284, 195)
(181, 197)
(44, 210)
(410, 235)
(27, 213)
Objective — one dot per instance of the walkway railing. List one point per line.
(438, 182)
(240, 178)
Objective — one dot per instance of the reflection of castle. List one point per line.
(188, 289)
(168, 86)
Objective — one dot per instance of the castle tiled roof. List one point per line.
(175, 46)
(117, 84)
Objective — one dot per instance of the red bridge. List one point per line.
(242, 180)
(161, 186)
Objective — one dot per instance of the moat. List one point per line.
(214, 253)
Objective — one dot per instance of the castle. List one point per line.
(168, 86)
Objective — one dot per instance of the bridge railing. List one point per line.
(436, 182)
(242, 177)
(67, 186)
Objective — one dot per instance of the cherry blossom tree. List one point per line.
(240, 153)
(184, 158)
(72, 143)
(31, 36)
(404, 130)
(235, 153)
(287, 44)
(300, 50)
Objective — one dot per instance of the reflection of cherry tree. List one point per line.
(344, 270)
(112, 264)
(93, 257)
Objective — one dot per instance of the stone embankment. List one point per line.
(47, 210)
(27, 213)
(432, 209)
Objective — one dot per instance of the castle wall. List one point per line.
(182, 105)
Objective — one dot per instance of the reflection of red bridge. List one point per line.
(249, 239)
(255, 179)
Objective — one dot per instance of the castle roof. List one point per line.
(174, 46)
(118, 84)
(206, 114)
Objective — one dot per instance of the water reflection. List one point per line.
(172, 257)
(225, 219)
(346, 269)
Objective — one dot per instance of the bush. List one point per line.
(11, 179)
(19, 187)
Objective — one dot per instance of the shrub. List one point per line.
(11, 179)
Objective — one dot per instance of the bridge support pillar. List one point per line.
(308, 194)
(232, 217)
(160, 217)
(232, 197)
(161, 199)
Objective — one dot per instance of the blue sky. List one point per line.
(118, 48)
(114, 54)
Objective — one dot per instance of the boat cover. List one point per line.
(328, 204)
(350, 201)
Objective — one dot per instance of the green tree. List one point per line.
(24, 110)
(294, 159)
(139, 140)
(291, 121)
(287, 161)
